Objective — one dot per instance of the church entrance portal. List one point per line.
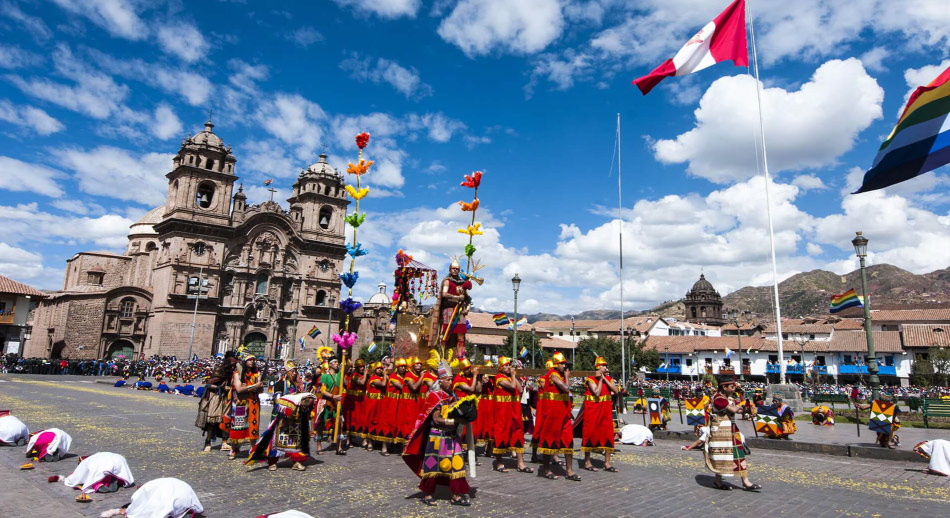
(256, 344)
(121, 349)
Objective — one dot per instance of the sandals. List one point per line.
(500, 468)
(575, 477)
(526, 469)
(611, 469)
(550, 476)
(722, 486)
(272, 467)
(341, 452)
(753, 487)
(461, 501)
(384, 453)
(591, 468)
(429, 501)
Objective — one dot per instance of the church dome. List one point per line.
(321, 168)
(702, 285)
(380, 297)
(144, 226)
(207, 137)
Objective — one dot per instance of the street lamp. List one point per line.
(861, 250)
(733, 316)
(515, 285)
(666, 350)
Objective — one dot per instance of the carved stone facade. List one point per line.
(703, 303)
(268, 275)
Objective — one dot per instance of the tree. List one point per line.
(932, 368)
(524, 340)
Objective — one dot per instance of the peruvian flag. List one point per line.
(720, 40)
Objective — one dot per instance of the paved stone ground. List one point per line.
(156, 434)
(841, 433)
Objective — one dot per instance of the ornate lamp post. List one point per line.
(666, 351)
(733, 316)
(861, 250)
(515, 285)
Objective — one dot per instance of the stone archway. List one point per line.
(121, 349)
(56, 352)
(256, 344)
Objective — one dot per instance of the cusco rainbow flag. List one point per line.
(921, 140)
(500, 319)
(847, 299)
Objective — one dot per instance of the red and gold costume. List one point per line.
(389, 431)
(408, 406)
(373, 407)
(538, 414)
(354, 404)
(597, 432)
(482, 427)
(507, 428)
(245, 412)
(555, 433)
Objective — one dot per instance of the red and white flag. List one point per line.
(722, 39)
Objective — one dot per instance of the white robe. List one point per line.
(293, 513)
(939, 452)
(163, 498)
(95, 468)
(12, 430)
(636, 434)
(58, 447)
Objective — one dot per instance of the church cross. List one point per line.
(272, 191)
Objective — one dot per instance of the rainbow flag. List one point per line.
(847, 299)
(314, 332)
(268, 181)
(372, 347)
(524, 352)
(500, 318)
(521, 321)
(920, 142)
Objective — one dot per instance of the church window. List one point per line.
(321, 298)
(95, 278)
(261, 287)
(205, 195)
(325, 214)
(151, 246)
(211, 163)
(127, 307)
(693, 312)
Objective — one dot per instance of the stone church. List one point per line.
(207, 272)
(703, 303)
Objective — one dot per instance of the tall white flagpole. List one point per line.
(623, 352)
(768, 201)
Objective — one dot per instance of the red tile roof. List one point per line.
(926, 335)
(10, 286)
(904, 315)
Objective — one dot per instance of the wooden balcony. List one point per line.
(7, 317)
(727, 371)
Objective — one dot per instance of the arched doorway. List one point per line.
(256, 344)
(56, 352)
(121, 349)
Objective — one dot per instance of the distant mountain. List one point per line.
(809, 293)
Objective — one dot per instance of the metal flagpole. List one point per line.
(623, 355)
(768, 201)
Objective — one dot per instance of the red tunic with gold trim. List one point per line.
(507, 428)
(456, 287)
(597, 433)
(482, 427)
(556, 433)
(459, 380)
(408, 406)
(353, 406)
(389, 423)
(538, 414)
(372, 409)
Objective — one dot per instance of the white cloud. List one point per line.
(482, 26)
(29, 117)
(438, 127)
(25, 266)
(118, 17)
(15, 57)
(874, 59)
(118, 173)
(808, 182)
(294, 120)
(813, 249)
(405, 80)
(191, 86)
(182, 39)
(78, 206)
(19, 176)
(305, 36)
(25, 223)
(94, 94)
(808, 128)
(562, 70)
(166, 123)
(34, 25)
(383, 8)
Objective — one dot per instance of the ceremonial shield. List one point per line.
(695, 413)
(653, 407)
(882, 417)
(767, 419)
(410, 337)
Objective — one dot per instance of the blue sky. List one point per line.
(96, 95)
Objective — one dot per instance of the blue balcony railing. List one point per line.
(789, 369)
(672, 369)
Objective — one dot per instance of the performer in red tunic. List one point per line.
(542, 380)
(409, 404)
(507, 428)
(556, 434)
(466, 383)
(354, 407)
(374, 398)
(453, 308)
(390, 408)
(598, 428)
(482, 428)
